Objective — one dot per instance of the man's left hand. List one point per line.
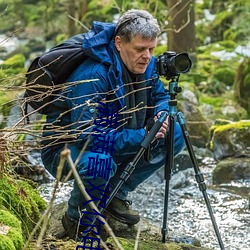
(163, 129)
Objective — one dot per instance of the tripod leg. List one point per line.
(199, 176)
(168, 173)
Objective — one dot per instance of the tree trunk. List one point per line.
(181, 27)
(72, 13)
(83, 7)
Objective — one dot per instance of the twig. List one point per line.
(77, 21)
(137, 236)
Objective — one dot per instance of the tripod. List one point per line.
(169, 163)
(173, 90)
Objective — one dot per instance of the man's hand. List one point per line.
(164, 128)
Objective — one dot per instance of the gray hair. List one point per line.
(137, 22)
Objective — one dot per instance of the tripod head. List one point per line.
(174, 89)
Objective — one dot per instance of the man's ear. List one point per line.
(118, 43)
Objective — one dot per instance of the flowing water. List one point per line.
(187, 212)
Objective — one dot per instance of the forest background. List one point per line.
(214, 33)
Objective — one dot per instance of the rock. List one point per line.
(232, 139)
(181, 179)
(150, 234)
(231, 169)
(197, 125)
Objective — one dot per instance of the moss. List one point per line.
(22, 200)
(16, 237)
(128, 244)
(9, 219)
(16, 61)
(13, 238)
(225, 75)
(6, 243)
(214, 101)
(235, 125)
(238, 128)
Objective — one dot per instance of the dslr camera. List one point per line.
(171, 65)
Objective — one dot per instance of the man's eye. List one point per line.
(139, 50)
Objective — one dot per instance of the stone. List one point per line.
(231, 169)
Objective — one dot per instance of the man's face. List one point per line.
(137, 53)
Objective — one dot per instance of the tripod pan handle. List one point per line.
(153, 131)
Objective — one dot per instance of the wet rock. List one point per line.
(231, 169)
(149, 233)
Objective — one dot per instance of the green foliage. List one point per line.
(229, 22)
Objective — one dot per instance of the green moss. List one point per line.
(225, 75)
(16, 61)
(235, 125)
(9, 219)
(22, 200)
(128, 244)
(6, 243)
(16, 237)
(14, 234)
(212, 100)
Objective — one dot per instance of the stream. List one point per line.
(187, 212)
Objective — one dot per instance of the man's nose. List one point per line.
(146, 54)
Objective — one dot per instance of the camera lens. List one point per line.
(182, 63)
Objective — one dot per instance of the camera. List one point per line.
(171, 65)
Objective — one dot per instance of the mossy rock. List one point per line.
(11, 237)
(128, 244)
(231, 139)
(22, 200)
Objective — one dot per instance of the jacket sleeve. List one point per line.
(82, 99)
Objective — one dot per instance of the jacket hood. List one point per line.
(98, 43)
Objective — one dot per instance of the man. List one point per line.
(123, 79)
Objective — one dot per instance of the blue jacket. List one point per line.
(103, 68)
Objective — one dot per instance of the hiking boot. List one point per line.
(120, 210)
(72, 228)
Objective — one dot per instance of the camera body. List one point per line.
(171, 65)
